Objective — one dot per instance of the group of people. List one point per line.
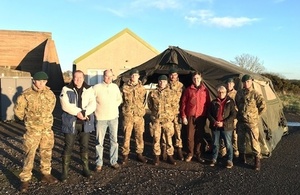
(87, 108)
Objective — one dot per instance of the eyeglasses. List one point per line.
(222, 92)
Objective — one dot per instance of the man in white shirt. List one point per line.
(108, 98)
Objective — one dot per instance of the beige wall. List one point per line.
(121, 54)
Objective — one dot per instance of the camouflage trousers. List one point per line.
(138, 124)
(162, 129)
(235, 142)
(223, 149)
(177, 134)
(248, 133)
(32, 140)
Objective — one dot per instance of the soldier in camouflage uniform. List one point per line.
(161, 102)
(133, 109)
(250, 106)
(35, 106)
(177, 87)
(231, 92)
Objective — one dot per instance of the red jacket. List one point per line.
(195, 101)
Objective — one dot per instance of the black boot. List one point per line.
(125, 159)
(65, 167)
(141, 158)
(85, 165)
(156, 160)
(164, 155)
(171, 160)
(179, 154)
(24, 186)
(257, 163)
(199, 159)
(242, 158)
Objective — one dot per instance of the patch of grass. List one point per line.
(290, 103)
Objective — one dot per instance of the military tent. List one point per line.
(215, 72)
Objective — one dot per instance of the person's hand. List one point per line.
(184, 121)
(80, 116)
(219, 124)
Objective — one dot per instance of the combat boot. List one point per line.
(85, 165)
(156, 160)
(257, 163)
(141, 158)
(164, 155)
(49, 179)
(24, 186)
(242, 158)
(171, 160)
(199, 159)
(125, 159)
(179, 154)
(65, 167)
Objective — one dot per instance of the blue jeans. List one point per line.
(227, 136)
(101, 128)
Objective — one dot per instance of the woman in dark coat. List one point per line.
(221, 115)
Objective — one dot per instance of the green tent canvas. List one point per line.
(215, 72)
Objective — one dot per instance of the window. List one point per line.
(94, 76)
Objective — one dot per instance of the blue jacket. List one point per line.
(69, 100)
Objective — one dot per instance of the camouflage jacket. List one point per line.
(250, 105)
(177, 88)
(133, 99)
(36, 107)
(232, 94)
(161, 102)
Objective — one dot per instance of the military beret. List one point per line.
(173, 70)
(162, 77)
(134, 71)
(40, 76)
(229, 80)
(246, 77)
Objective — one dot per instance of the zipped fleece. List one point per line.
(195, 101)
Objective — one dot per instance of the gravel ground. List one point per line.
(279, 173)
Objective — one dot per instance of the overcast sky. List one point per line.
(267, 29)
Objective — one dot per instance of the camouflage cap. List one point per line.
(134, 71)
(230, 80)
(40, 76)
(246, 77)
(162, 77)
(173, 70)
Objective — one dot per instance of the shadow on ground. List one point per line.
(279, 174)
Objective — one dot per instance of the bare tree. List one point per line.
(67, 76)
(249, 62)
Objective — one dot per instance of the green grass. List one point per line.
(290, 102)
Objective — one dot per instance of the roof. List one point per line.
(125, 31)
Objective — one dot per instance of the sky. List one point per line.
(266, 29)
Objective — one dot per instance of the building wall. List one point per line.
(15, 45)
(121, 54)
(31, 52)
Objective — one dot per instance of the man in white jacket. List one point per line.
(108, 98)
(78, 104)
